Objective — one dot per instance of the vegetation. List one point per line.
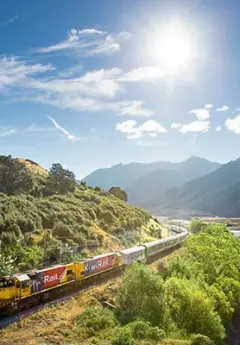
(119, 193)
(189, 302)
(53, 218)
(192, 299)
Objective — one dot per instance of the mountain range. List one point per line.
(195, 185)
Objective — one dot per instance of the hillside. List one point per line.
(42, 223)
(217, 193)
(151, 188)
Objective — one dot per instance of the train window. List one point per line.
(6, 283)
(69, 272)
(25, 284)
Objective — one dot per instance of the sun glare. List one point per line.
(172, 49)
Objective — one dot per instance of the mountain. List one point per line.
(217, 193)
(151, 188)
(125, 175)
(122, 175)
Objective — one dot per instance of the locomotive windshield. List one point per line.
(5, 282)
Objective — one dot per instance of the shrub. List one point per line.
(61, 230)
(124, 337)
(143, 330)
(200, 339)
(95, 319)
(140, 295)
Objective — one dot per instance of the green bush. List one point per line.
(143, 330)
(95, 319)
(200, 339)
(141, 295)
(124, 337)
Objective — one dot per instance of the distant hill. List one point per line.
(122, 175)
(147, 183)
(217, 193)
(152, 187)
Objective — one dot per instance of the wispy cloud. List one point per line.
(195, 126)
(223, 108)
(233, 124)
(9, 21)
(149, 128)
(218, 128)
(6, 131)
(63, 130)
(15, 72)
(175, 125)
(88, 41)
(145, 74)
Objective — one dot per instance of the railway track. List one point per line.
(106, 276)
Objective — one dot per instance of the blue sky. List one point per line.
(91, 83)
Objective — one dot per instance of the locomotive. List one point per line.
(25, 290)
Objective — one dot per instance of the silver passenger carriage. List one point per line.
(134, 254)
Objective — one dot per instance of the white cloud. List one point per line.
(218, 128)
(88, 41)
(195, 126)
(175, 125)
(14, 72)
(233, 124)
(133, 108)
(223, 108)
(208, 106)
(149, 128)
(99, 83)
(201, 114)
(87, 92)
(63, 130)
(144, 74)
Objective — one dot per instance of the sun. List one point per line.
(172, 48)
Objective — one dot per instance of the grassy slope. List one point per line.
(91, 218)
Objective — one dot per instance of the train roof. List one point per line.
(132, 250)
(155, 243)
(99, 256)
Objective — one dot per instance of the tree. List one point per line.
(141, 295)
(191, 309)
(197, 225)
(60, 180)
(6, 263)
(15, 178)
(119, 193)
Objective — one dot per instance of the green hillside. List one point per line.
(47, 217)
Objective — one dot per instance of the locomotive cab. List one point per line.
(22, 286)
(7, 289)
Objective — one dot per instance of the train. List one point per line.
(25, 290)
